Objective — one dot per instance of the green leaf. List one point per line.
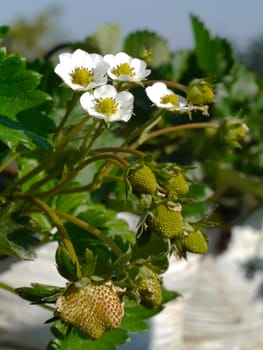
(12, 244)
(83, 239)
(37, 122)
(180, 64)
(14, 134)
(244, 86)
(154, 251)
(119, 231)
(138, 41)
(135, 316)
(214, 55)
(133, 324)
(105, 219)
(107, 38)
(198, 207)
(16, 239)
(76, 340)
(169, 295)
(18, 86)
(70, 202)
(16, 235)
(198, 211)
(199, 192)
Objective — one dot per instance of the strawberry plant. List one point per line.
(91, 133)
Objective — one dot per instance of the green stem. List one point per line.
(121, 150)
(51, 175)
(73, 131)
(7, 288)
(85, 146)
(70, 106)
(5, 164)
(22, 180)
(146, 126)
(85, 188)
(117, 159)
(93, 230)
(50, 159)
(57, 222)
(59, 187)
(171, 129)
(91, 186)
(144, 134)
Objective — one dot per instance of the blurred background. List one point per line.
(64, 20)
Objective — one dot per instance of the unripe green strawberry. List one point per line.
(200, 92)
(93, 309)
(142, 180)
(149, 289)
(195, 242)
(165, 222)
(176, 185)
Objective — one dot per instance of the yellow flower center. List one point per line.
(81, 76)
(123, 69)
(171, 98)
(107, 106)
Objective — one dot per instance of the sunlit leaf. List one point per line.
(180, 64)
(139, 41)
(107, 37)
(214, 55)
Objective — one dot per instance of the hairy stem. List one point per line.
(171, 129)
(5, 164)
(70, 106)
(120, 150)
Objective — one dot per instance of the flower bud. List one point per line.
(234, 131)
(200, 92)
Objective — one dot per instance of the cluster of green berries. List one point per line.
(165, 218)
(142, 180)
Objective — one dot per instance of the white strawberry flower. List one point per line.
(81, 70)
(165, 98)
(107, 103)
(126, 68)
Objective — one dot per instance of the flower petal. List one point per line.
(99, 103)
(81, 60)
(135, 68)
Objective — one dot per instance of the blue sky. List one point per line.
(238, 20)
